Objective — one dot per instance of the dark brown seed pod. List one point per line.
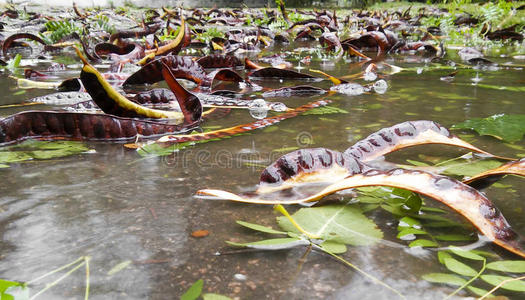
(219, 61)
(9, 41)
(52, 125)
(180, 66)
(407, 134)
(271, 72)
(308, 165)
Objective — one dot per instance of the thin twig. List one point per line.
(500, 285)
(52, 284)
(86, 259)
(56, 270)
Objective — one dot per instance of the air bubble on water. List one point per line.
(240, 277)
(278, 106)
(380, 86)
(370, 76)
(258, 109)
(348, 89)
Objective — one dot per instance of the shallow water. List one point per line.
(116, 206)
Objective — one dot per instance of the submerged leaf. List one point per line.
(511, 266)
(510, 128)
(337, 223)
(444, 278)
(272, 244)
(456, 266)
(41, 150)
(260, 228)
(465, 253)
(333, 247)
(423, 243)
(517, 285)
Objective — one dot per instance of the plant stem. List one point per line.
(52, 284)
(86, 260)
(283, 211)
(364, 273)
(470, 281)
(500, 285)
(56, 270)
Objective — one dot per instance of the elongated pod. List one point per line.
(112, 102)
(407, 134)
(50, 125)
(467, 201)
(488, 177)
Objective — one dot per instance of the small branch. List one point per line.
(500, 285)
(86, 260)
(52, 284)
(56, 270)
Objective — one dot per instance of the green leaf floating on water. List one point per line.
(458, 267)
(444, 278)
(518, 285)
(510, 128)
(31, 150)
(272, 244)
(511, 266)
(336, 223)
(261, 228)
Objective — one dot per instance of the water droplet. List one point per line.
(370, 76)
(348, 89)
(258, 109)
(240, 277)
(279, 106)
(380, 86)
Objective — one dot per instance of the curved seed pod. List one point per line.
(470, 203)
(300, 90)
(180, 66)
(134, 34)
(64, 98)
(331, 43)
(154, 96)
(407, 134)
(488, 177)
(308, 165)
(225, 75)
(271, 72)
(172, 139)
(104, 49)
(182, 38)
(189, 104)
(219, 61)
(51, 125)
(112, 102)
(9, 41)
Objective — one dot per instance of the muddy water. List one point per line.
(118, 207)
